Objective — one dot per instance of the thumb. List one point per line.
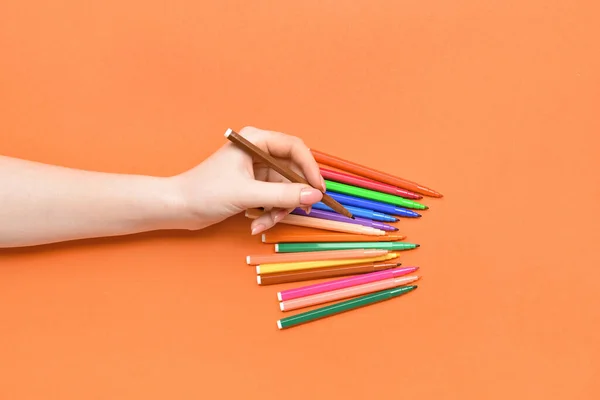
(280, 195)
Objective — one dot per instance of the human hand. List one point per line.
(231, 181)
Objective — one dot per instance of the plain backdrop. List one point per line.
(494, 103)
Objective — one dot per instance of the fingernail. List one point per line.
(279, 216)
(258, 229)
(306, 209)
(309, 196)
(323, 184)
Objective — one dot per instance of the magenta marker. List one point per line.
(344, 283)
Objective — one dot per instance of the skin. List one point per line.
(41, 204)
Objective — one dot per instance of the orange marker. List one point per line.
(371, 173)
(314, 256)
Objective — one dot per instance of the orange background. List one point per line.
(495, 104)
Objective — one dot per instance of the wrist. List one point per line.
(170, 209)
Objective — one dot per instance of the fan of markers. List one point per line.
(357, 255)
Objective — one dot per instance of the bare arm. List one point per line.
(42, 203)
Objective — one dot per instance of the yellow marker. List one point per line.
(296, 266)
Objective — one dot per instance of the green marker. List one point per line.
(343, 306)
(373, 195)
(302, 247)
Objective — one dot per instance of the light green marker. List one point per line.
(373, 195)
(302, 247)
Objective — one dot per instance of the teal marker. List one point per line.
(343, 306)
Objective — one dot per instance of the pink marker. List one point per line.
(343, 283)
(345, 293)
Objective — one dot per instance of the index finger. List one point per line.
(282, 145)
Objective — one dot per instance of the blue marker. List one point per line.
(378, 206)
(359, 212)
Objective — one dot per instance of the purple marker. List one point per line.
(333, 216)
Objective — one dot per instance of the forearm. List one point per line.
(43, 204)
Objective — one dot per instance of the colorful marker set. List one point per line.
(349, 237)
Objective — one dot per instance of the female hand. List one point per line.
(231, 181)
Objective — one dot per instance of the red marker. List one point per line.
(366, 172)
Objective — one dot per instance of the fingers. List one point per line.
(266, 174)
(278, 195)
(271, 191)
(268, 220)
(263, 172)
(286, 146)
